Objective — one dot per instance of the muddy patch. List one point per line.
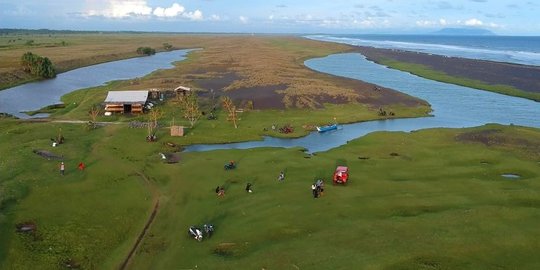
(218, 83)
(263, 97)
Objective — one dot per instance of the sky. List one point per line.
(504, 17)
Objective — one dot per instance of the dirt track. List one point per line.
(155, 198)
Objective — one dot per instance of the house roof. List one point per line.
(127, 97)
(182, 88)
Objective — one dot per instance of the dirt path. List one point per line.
(155, 199)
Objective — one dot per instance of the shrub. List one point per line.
(146, 50)
(37, 65)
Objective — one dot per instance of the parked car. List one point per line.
(341, 175)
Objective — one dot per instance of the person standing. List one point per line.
(62, 168)
(248, 188)
(281, 176)
(314, 191)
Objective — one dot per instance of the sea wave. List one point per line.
(510, 56)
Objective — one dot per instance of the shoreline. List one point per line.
(500, 77)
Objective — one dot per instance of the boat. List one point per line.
(327, 128)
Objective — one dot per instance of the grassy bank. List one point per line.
(433, 197)
(429, 73)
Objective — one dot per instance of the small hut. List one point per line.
(126, 101)
(177, 131)
(182, 90)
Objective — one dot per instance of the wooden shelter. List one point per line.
(182, 90)
(126, 101)
(177, 131)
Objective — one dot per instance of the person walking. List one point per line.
(281, 176)
(62, 168)
(314, 191)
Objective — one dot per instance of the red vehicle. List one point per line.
(341, 175)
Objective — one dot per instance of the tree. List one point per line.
(93, 113)
(27, 61)
(231, 109)
(190, 106)
(37, 65)
(167, 46)
(154, 115)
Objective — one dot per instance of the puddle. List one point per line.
(511, 176)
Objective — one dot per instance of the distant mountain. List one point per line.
(464, 32)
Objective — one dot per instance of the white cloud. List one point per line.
(215, 17)
(442, 22)
(122, 9)
(172, 11)
(474, 22)
(136, 8)
(195, 15)
(243, 19)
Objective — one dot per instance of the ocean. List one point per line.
(523, 50)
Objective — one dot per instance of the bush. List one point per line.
(146, 50)
(37, 65)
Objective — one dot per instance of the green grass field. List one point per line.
(433, 199)
(440, 203)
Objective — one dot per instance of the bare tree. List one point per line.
(154, 115)
(231, 110)
(93, 113)
(190, 106)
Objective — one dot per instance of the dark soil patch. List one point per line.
(218, 83)
(496, 137)
(172, 158)
(263, 97)
(48, 155)
(519, 76)
(272, 96)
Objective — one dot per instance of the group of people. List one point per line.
(197, 233)
(317, 188)
(81, 167)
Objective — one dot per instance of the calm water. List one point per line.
(34, 96)
(520, 50)
(454, 106)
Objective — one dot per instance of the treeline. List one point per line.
(146, 50)
(38, 65)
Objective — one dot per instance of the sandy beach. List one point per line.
(519, 76)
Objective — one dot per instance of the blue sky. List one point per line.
(512, 17)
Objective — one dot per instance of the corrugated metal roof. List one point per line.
(126, 97)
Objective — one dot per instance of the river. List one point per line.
(453, 106)
(36, 95)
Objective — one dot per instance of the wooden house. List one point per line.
(126, 101)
